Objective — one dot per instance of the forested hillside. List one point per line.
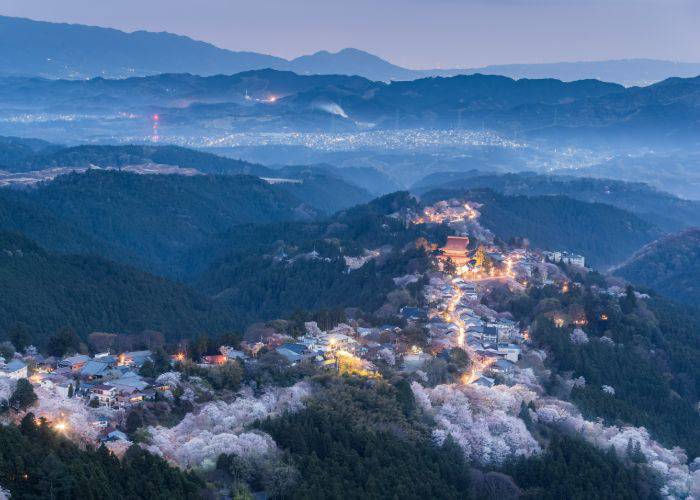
(643, 351)
(146, 220)
(670, 266)
(266, 271)
(45, 292)
(14, 149)
(37, 462)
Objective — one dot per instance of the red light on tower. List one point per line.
(156, 118)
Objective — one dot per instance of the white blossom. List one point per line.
(169, 378)
(388, 356)
(578, 337)
(679, 480)
(77, 416)
(480, 419)
(220, 427)
(7, 387)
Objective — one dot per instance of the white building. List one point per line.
(15, 369)
(567, 258)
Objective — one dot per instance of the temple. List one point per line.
(456, 250)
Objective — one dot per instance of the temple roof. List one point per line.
(456, 244)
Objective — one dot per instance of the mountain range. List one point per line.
(587, 112)
(56, 50)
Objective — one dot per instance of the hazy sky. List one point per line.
(413, 33)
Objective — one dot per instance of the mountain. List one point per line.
(57, 50)
(664, 210)
(676, 171)
(152, 220)
(627, 72)
(197, 95)
(130, 155)
(325, 188)
(269, 100)
(14, 149)
(605, 235)
(353, 62)
(47, 291)
(148, 220)
(670, 265)
(20, 213)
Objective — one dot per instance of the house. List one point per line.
(290, 356)
(46, 364)
(292, 352)
(105, 394)
(134, 358)
(102, 422)
(74, 363)
(412, 313)
(232, 353)
(502, 366)
(129, 396)
(130, 381)
(490, 334)
(215, 359)
(96, 368)
(15, 369)
(507, 330)
(469, 290)
(510, 351)
(484, 381)
(117, 436)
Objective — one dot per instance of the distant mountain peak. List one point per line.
(30, 48)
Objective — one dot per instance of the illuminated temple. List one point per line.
(456, 250)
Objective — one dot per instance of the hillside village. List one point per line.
(452, 321)
(457, 345)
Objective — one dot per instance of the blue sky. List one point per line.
(413, 33)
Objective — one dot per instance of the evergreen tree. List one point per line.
(19, 336)
(628, 303)
(23, 395)
(62, 342)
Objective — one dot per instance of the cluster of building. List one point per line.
(105, 380)
(457, 319)
(456, 316)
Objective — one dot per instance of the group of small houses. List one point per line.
(493, 337)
